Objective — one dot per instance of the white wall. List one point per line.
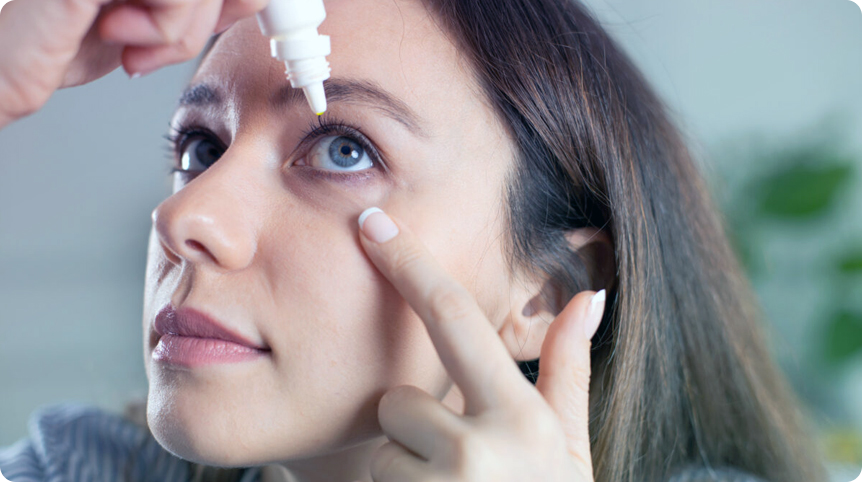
(78, 181)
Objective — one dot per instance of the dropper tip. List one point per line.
(316, 97)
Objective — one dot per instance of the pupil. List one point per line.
(207, 153)
(345, 152)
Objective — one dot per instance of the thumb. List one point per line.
(564, 369)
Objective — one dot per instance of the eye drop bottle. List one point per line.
(292, 26)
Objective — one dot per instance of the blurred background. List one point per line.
(766, 91)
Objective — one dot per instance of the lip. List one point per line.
(190, 337)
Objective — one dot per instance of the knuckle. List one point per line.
(73, 7)
(449, 304)
(171, 34)
(580, 378)
(380, 461)
(24, 94)
(545, 427)
(404, 259)
(175, 23)
(577, 376)
(523, 421)
(383, 460)
(248, 6)
(185, 46)
(391, 398)
(469, 455)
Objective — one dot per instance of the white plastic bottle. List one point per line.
(292, 26)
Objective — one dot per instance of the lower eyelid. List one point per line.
(345, 177)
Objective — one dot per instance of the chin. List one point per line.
(203, 414)
(200, 433)
(210, 428)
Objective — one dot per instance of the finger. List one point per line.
(131, 25)
(95, 59)
(146, 59)
(234, 10)
(150, 23)
(175, 21)
(466, 342)
(47, 25)
(564, 371)
(418, 421)
(46, 35)
(394, 463)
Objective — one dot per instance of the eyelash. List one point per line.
(325, 125)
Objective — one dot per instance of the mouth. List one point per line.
(190, 337)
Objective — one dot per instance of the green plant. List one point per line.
(799, 190)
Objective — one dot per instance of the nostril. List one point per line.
(172, 257)
(196, 245)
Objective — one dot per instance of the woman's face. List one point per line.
(265, 240)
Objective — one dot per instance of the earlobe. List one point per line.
(525, 327)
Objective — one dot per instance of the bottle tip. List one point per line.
(320, 113)
(316, 97)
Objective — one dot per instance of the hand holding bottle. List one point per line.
(51, 44)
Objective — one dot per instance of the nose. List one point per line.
(207, 222)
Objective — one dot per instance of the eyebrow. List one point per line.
(337, 89)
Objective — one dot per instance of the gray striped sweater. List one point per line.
(71, 442)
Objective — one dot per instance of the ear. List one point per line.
(536, 300)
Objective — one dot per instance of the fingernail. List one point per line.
(377, 225)
(594, 314)
(140, 73)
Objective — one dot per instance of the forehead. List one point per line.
(397, 45)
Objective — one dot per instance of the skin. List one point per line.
(260, 243)
(510, 431)
(364, 339)
(63, 44)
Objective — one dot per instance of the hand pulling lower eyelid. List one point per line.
(292, 26)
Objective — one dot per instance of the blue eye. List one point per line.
(337, 150)
(339, 153)
(198, 154)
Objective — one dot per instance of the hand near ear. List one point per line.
(511, 431)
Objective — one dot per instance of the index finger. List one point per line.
(234, 10)
(469, 347)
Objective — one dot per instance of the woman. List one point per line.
(539, 171)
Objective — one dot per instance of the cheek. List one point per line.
(339, 321)
(158, 269)
(157, 292)
(328, 197)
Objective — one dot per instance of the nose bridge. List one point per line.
(207, 220)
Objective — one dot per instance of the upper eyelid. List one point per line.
(180, 134)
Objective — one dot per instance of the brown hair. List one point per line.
(682, 376)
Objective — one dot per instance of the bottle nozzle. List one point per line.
(291, 26)
(316, 97)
